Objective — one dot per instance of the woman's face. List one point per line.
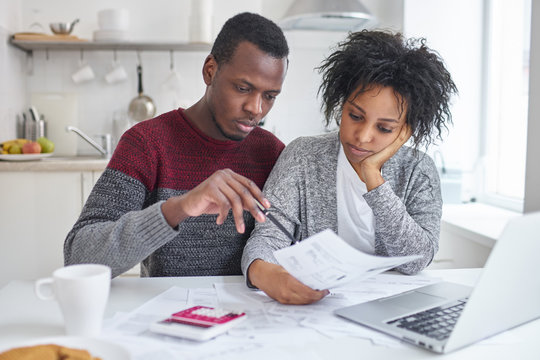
(370, 122)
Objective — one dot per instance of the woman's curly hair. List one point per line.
(377, 58)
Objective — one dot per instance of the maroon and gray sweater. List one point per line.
(121, 223)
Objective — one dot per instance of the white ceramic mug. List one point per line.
(84, 73)
(117, 74)
(82, 292)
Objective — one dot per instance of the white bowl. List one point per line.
(113, 19)
(110, 35)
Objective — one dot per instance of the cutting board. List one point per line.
(59, 110)
(29, 36)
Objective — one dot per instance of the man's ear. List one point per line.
(210, 68)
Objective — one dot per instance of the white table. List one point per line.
(24, 317)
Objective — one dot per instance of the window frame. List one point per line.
(495, 88)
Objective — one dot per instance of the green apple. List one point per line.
(15, 149)
(47, 146)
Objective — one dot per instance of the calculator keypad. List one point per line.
(203, 315)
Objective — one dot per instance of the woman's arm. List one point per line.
(408, 224)
(284, 189)
(283, 192)
(411, 226)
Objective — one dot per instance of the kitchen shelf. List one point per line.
(31, 45)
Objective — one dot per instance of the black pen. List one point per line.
(266, 213)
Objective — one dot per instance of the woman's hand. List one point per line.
(281, 286)
(370, 168)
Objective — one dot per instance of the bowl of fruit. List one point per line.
(25, 149)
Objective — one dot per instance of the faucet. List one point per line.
(106, 151)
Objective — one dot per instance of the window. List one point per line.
(506, 88)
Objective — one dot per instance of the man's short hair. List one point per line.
(256, 29)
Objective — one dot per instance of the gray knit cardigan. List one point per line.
(407, 208)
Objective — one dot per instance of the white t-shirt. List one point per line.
(356, 224)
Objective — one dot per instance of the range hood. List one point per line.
(327, 15)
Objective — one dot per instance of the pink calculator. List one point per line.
(198, 322)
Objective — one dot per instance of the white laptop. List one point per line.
(445, 316)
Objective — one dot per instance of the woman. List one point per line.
(380, 196)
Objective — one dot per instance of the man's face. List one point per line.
(242, 91)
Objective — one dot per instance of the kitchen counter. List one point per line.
(75, 163)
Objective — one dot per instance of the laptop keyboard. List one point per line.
(436, 323)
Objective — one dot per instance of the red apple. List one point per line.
(31, 147)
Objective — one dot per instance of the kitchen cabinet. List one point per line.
(460, 249)
(468, 234)
(38, 210)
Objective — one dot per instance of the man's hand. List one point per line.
(370, 168)
(281, 286)
(222, 191)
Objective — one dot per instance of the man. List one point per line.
(169, 176)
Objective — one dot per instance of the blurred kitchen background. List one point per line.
(485, 160)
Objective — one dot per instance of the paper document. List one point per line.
(325, 261)
(269, 323)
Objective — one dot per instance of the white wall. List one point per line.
(159, 21)
(12, 74)
(454, 29)
(295, 113)
(156, 20)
